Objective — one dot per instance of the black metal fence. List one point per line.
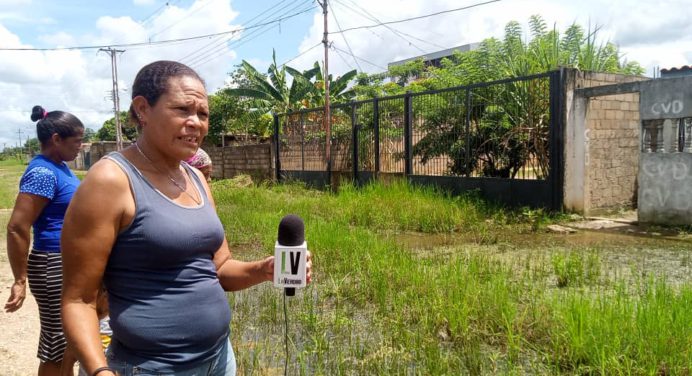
(503, 138)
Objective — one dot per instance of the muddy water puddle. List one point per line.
(626, 252)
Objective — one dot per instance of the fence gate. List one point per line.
(502, 138)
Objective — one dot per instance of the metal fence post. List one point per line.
(556, 138)
(302, 141)
(277, 142)
(354, 128)
(376, 130)
(408, 133)
(468, 132)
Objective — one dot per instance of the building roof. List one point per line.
(683, 68)
(438, 54)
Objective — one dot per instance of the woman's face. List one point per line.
(179, 121)
(69, 147)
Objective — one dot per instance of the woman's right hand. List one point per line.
(17, 296)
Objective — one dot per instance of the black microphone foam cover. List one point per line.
(291, 231)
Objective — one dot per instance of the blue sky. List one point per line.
(657, 34)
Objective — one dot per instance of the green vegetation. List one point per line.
(11, 170)
(107, 131)
(502, 300)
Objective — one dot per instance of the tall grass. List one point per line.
(10, 172)
(378, 308)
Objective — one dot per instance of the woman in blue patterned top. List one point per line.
(45, 190)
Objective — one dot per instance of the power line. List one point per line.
(301, 54)
(158, 10)
(415, 18)
(219, 47)
(396, 32)
(344, 37)
(162, 41)
(212, 55)
(212, 42)
(361, 59)
(189, 13)
(344, 59)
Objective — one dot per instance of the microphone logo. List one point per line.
(290, 254)
(294, 262)
(289, 268)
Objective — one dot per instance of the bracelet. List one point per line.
(101, 369)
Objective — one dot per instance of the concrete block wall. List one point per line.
(606, 165)
(254, 160)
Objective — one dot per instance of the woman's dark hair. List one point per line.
(152, 81)
(63, 123)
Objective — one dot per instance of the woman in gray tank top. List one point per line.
(144, 224)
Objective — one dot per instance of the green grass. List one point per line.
(10, 172)
(379, 308)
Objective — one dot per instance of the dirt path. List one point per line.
(18, 330)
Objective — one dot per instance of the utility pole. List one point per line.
(19, 133)
(116, 98)
(327, 110)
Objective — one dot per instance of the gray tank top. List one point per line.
(167, 307)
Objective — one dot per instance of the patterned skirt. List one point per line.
(45, 282)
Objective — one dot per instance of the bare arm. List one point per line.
(27, 208)
(97, 212)
(237, 275)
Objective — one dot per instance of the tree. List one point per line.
(339, 90)
(32, 145)
(272, 90)
(89, 134)
(508, 123)
(107, 131)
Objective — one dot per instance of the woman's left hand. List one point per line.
(267, 268)
(17, 296)
(308, 268)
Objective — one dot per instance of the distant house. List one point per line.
(685, 70)
(432, 59)
(435, 58)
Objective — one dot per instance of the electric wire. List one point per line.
(235, 45)
(158, 10)
(155, 43)
(397, 32)
(214, 50)
(344, 36)
(361, 59)
(220, 47)
(394, 31)
(221, 52)
(416, 18)
(344, 59)
(301, 54)
(185, 17)
(248, 21)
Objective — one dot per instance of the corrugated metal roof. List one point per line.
(676, 69)
(438, 54)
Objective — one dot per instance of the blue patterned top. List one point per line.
(56, 182)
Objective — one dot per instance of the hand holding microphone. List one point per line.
(292, 260)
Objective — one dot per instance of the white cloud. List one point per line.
(60, 39)
(79, 81)
(143, 2)
(652, 34)
(9, 4)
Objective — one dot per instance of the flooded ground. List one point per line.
(621, 248)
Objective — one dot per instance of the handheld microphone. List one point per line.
(290, 255)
